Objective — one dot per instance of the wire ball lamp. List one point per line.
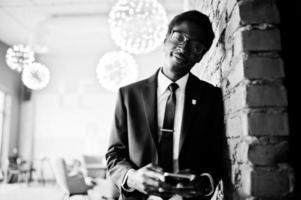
(19, 56)
(138, 26)
(35, 76)
(116, 69)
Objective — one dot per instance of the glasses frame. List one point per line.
(187, 39)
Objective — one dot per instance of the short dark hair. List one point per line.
(198, 18)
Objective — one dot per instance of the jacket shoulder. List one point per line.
(203, 84)
(134, 85)
(133, 88)
(140, 84)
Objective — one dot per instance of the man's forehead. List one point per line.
(190, 29)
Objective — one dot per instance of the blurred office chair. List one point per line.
(1, 175)
(95, 166)
(72, 185)
(96, 169)
(17, 170)
(109, 189)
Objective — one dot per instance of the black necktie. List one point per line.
(166, 142)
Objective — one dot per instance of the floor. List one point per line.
(45, 192)
(32, 192)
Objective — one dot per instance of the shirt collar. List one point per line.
(163, 82)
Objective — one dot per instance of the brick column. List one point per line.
(244, 61)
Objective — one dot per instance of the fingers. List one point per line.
(148, 178)
(154, 175)
(155, 168)
(150, 182)
(154, 172)
(148, 185)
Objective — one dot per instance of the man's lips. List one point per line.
(178, 56)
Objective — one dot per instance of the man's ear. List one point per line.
(199, 58)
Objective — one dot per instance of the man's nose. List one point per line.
(184, 46)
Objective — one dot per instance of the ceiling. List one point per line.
(62, 25)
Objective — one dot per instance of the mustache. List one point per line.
(180, 52)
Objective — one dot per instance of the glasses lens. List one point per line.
(180, 38)
(177, 37)
(197, 47)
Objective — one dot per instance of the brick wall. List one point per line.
(245, 62)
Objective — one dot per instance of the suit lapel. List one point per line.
(191, 103)
(149, 95)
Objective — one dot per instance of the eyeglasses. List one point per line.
(180, 38)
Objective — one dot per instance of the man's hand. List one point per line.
(201, 185)
(147, 179)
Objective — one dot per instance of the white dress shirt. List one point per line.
(162, 95)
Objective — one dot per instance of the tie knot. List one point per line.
(173, 87)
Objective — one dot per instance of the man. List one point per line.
(136, 157)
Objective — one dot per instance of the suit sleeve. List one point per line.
(118, 162)
(221, 151)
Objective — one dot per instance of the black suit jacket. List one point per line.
(134, 137)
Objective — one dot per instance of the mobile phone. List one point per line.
(174, 179)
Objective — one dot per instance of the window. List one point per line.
(2, 104)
